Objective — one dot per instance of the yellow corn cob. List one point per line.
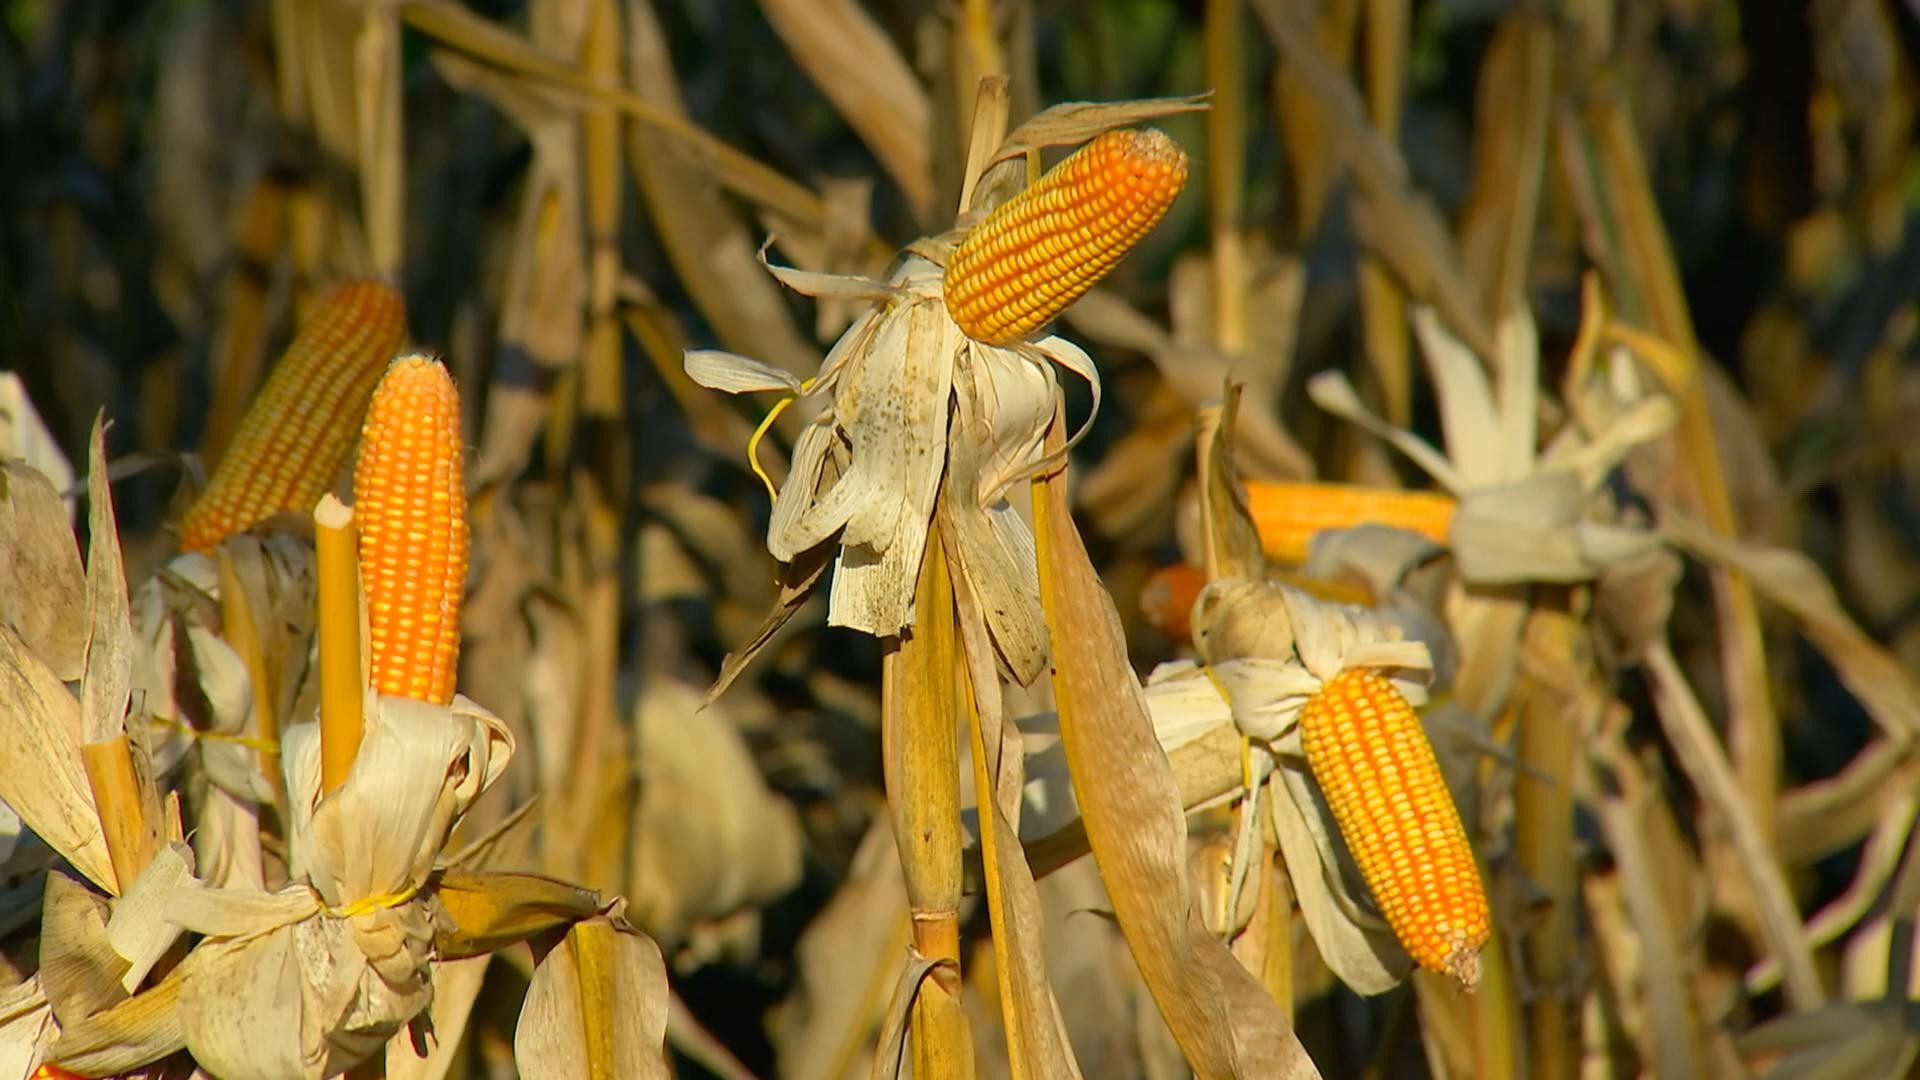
(299, 431)
(410, 501)
(1287, 515)
(1044, 248)
(1371, 758)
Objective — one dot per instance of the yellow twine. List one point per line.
(370, 903)
(759, 433)
(251, 742)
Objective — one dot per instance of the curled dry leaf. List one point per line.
(597, 1007)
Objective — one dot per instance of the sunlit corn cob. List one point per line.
(1372, 760)
(1288, 515)
(410, 501)
(1044, 248)
(300, 430)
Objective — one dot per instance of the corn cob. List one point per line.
(1371, 758)
(410, 500)
(1044, 248)
(299, 431)
(1288, 515)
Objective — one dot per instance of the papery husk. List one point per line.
(1526, 513)
(194, 690)
(27, 1028)
(597, 1006)
(24, 438)
(866, 470)
(708, 838)
(314, 978)
(42, 583)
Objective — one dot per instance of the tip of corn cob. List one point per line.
(1031, 258)
(410, 501)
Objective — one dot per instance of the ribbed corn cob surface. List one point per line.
(300, 431)
(1036, 254)
(1372, 760)
(1288, 515)
(410, 502)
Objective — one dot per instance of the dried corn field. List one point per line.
(815, 539)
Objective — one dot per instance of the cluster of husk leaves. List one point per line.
(266, 925)
(974, 751)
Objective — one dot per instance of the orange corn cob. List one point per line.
(1371, 758)
(299, 431)
(1288, 515)
(1044, 248)
(410, 501)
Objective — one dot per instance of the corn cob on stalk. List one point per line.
(299, 431)
(1044, 248)
(1287, 515)
(1371, 758)
(410, 501)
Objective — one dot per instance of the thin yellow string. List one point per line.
(370, 903)
(759, 433)
(251, 742)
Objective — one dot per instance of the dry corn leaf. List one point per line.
(842, 961)
(1073, 122)
(138, 930)
(597, 1007)
(41, 776)
(711, 250)
(1396, 222)
(79, 971)
(41, 578)
(139, 1030)
(1036, 1036)
(1224, 1020)
(707, 838)
(26, 1029)
(24, 437)
(478, 912)
(890, 1055)
(110, 641)
(1196, 373)
(855, 64)
(1889, 692)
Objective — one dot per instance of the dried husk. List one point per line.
(315, 977)
(41, 579)
(866, 471)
